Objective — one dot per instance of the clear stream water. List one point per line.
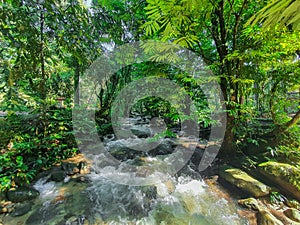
(104, 197)
(177, 201)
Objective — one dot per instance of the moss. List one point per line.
(283, 171)
(243, 181)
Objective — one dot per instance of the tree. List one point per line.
(278, 57)
(212, 29)
(282, 14)
(117, 23)
(44, 40)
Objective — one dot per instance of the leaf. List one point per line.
(282, 12)
(19, 159)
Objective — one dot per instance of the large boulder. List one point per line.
(244, 181)
(22, 194)
(124, 149)
(284, 176)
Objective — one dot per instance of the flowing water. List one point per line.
(121, 194)
(180, 200)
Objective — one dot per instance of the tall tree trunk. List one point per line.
(43, 89)
(220, 38)
(76, 82)
(271, 102)
(292, 122)
(43, 92)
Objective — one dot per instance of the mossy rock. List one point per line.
(249, 203)
(264, 217)
(285, 176)
(244, 181)
(22, 194)
(22, 209)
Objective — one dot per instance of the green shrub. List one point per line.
(34, 142)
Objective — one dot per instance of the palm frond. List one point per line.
(278, 12)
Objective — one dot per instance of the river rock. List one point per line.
(243, 181)
(164, 148)
(285, 176)
(83, 167)
(22, 194)
(121, 150)
(76, 221)
(57, 176)
(22, 209)
(6, 206)
(293, 214)
(141, 131)
(70, 168)
(2, 196)
(249, 203)
(264, 217)
(3, 209)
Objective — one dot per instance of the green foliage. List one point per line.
(174, 19)
(28, 148)
(288, 154)
(257, 68)
(277, 198)
(286, 172)
(287, 149)
(278, 12)
(47, 45)
(44, 44)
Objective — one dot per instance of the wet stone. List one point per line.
(284, 176)
(40, 215)
(70, 168)
(22, 209)
(58, 176)
(6, 207)
(166, 147)
(76, 220)
(83, 167)
(22, 194)
(141, 131)
(3, 210)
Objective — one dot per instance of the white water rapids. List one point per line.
(162, 199)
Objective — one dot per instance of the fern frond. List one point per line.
(278, 12)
